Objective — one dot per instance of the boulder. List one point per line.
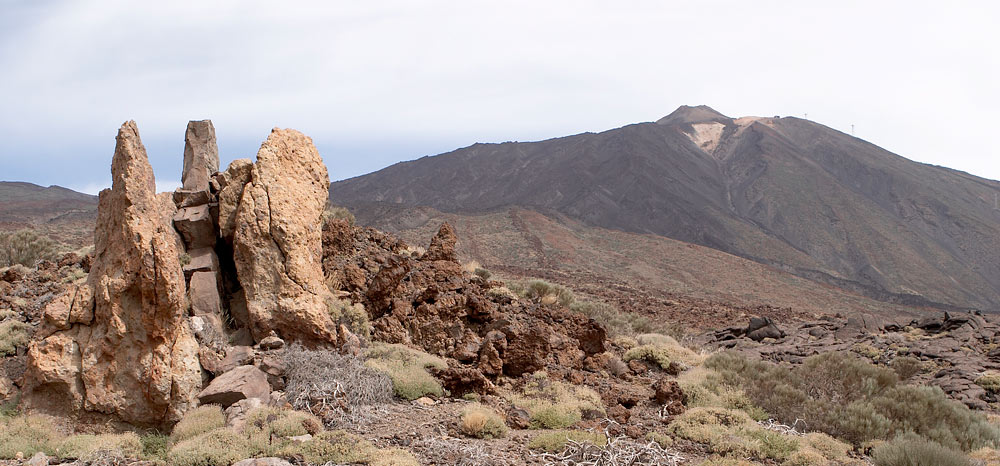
(139, 341)
(278, 241)
(203, 292)
(201, 155)
(442, 246)
(236, 356)
(270, 461)
(238, 384)
(761, 328)
(195, 226)
(202, 260)
(188, 198)
(668, 394)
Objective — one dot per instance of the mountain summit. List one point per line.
(784, 192)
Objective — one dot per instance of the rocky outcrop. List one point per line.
(137, 358)
(277, 243)
(201, 156)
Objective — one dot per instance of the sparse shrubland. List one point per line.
(26, 247)
(107, 447)
(853, 400)
(27, 435)
(990, 381)
(482, 422)
(198, 421)
(542, 292)
(408, 368)
(556, 405)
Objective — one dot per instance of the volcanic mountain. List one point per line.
(60, 212)
(788, 193)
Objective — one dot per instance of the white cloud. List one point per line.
(375, 82)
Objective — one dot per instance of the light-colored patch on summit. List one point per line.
(706, 135)
(747, 120)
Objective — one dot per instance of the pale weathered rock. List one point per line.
(38, 459)
(271, 342)
(235, 385)
(137, 359)
(7, 389)
(236, 414)
(277, 245)
(196, 227)
(231, 183)
(74, 306)
(201, 155)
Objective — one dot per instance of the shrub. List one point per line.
(556, 405)
(354, 316)
(13, 333)
(334, 212)
(853, 400)
(337, 447)
(198, 421)
(26, 247)
(482, 422)
(155, 446)
(990, 381)
(320, 380)
(555, 441)
(732, 432)
(910, 450)
(650, 353)
(909, 366)
(87, 447)
(482, 273)
(661, 439)
(543, 292)
(408, 369)
(219, 447)
(271, 422)
(27, 435)
(622, 323)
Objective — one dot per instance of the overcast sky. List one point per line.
(376, 82)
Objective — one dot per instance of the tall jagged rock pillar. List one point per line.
(137, 358)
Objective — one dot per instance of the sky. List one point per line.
(377, 82)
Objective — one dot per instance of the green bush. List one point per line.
(271, 422)
(911, 450)
(354, 316)
(556, 405)
(543, 292)
(653, 354)
(13, 334)
(198, 421)
(555, 441)
(26, 247)
(155, 446)
(408, 368)
(853, 400)
(219, 447)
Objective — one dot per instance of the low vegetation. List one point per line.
(556, 440)
(320, 381)
(542, 292)
(482, 422)
(198, 421)
(13, 334)
(334, 212)
(26, 247)
(556, 405)
(352, 315)
(853, 400)
(911, 450)
(408, 368)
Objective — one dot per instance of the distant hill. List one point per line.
(63, 213)
(786, 192)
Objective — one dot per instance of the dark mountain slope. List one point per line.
(782, 191)
(64, 214)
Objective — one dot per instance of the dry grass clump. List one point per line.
(908, 366)
(110, 448)
(705, 389)
(732, 433)
(482, 422)
(13, 334)
(198, 421)
(324, 381)
(26, 247)
(339, 447)
(661, 349)
(911, 450)
(270, 422)
(617, 450)
(556, 405)
(650, 353)
(985, 456)
(557, 440)
(219, 447)
(408, 368)
(353, 315)
(855, 401)
(990, 381)
(27, 435)
(623, 323)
